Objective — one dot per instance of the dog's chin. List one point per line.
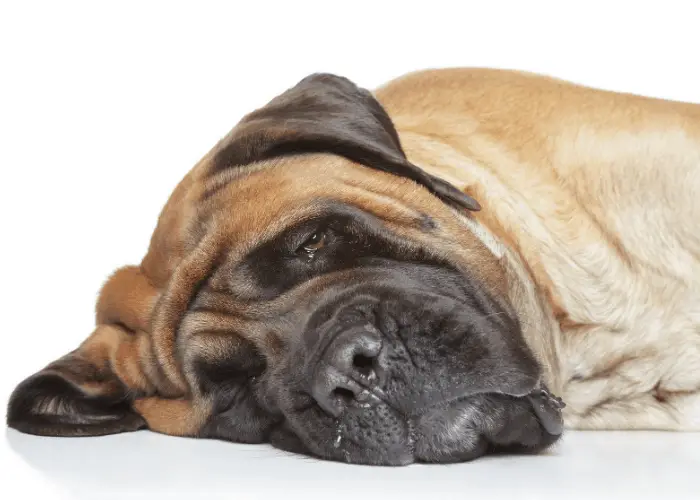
(456, 431)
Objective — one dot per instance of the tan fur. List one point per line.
(177, 417)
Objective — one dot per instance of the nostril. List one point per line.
(363, 364)
(334, 391)
(344, 395)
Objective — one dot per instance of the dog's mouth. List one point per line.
(393, 374)
(373, 431)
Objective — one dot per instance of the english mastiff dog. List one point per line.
(414, 274)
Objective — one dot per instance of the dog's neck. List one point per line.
(530, 297)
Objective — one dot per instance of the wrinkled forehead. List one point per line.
(253, 204)
(267, 197)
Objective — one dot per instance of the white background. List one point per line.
(104, 106)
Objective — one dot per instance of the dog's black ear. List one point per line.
(328, 114)
(72, 397)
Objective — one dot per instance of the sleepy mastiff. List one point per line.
(408, 275)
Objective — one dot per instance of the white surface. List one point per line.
(104, 106)
(145, 464)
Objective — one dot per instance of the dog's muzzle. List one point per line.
(416, 363)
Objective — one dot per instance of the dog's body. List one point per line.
(596, 194)
(585, 247)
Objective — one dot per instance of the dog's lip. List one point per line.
(546, 406)
(548, 409)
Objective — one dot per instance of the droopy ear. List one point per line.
(72, 397)
(89, 391)
(328, 114)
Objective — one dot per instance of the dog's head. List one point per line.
(310, 287)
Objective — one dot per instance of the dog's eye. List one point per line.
(314, 243)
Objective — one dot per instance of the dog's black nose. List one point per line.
(348, 370)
